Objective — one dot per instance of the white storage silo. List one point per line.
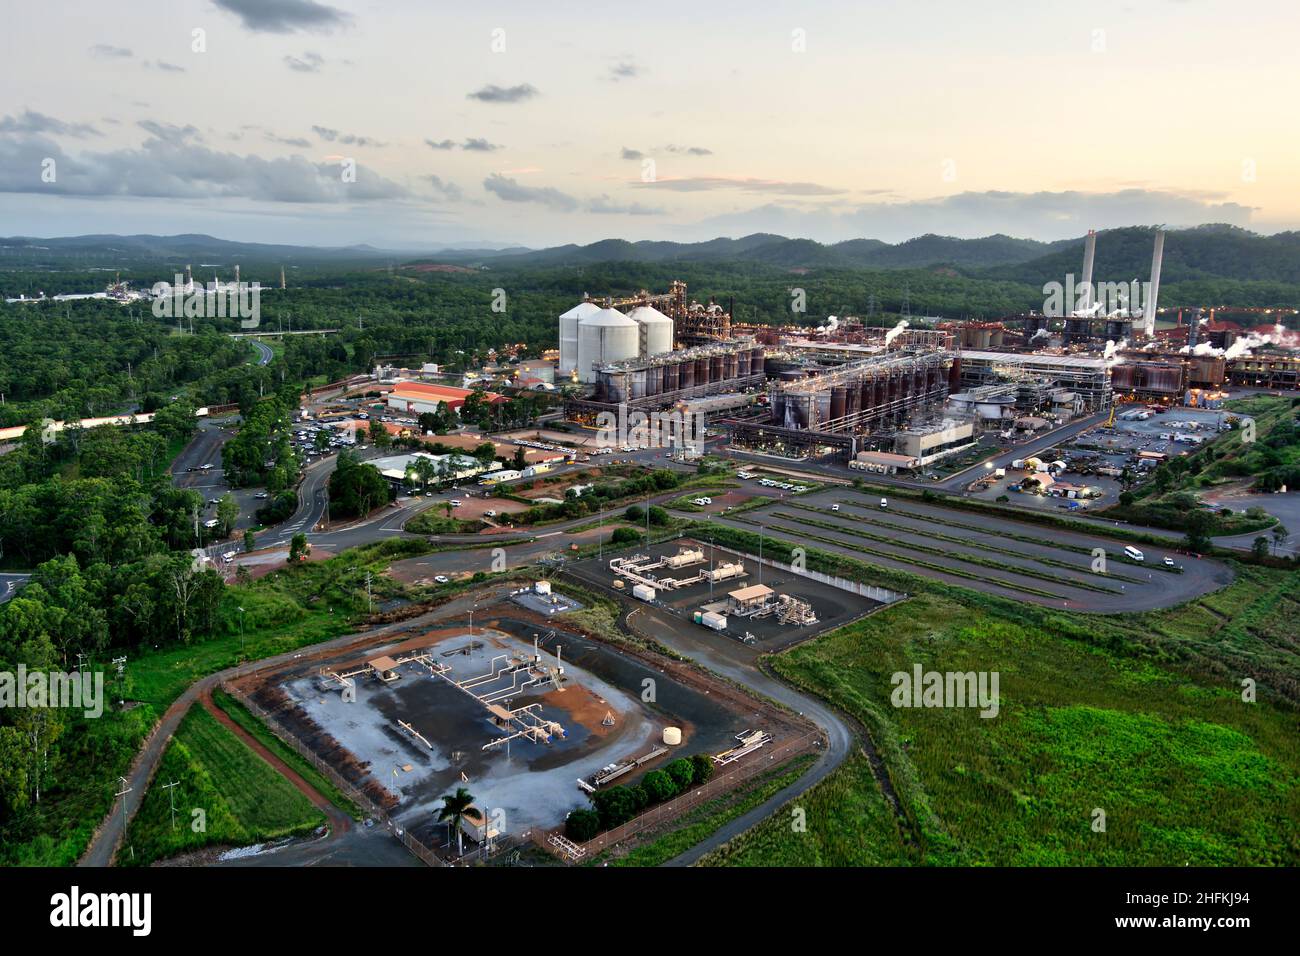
(656, 330)
(605, 336)
(569, 334)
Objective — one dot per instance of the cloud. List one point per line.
(309, 62)
(345, 139)
(624, 70)
(32, 122)
(603, 205)
(450, 191)
(167, 132)
(693, 184)
(511, 94)
(172, 167)
(299, 142)
(1041, 215)
(164, 66)
(108, 50)
(472, 144)
(285, 16)
(629, 153)
(510, 190)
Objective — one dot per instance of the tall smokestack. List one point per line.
(1153, 295)
(189, 277)
(281, 277)
(236, 275)
(1089, 254)
(1194, 331)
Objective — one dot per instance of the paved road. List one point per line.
(264, 352)
(9, 585)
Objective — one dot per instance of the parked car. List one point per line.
(441, 579)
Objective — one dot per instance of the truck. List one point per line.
(643, 592)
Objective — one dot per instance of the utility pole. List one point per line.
(171, 799)
(370, 602)
(122, 793)
(241, 633)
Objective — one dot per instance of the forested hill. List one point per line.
(1203, 253)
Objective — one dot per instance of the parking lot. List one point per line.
(1018, 560)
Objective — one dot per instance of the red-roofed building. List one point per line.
(416, 398)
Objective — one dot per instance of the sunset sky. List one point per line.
(541, 123)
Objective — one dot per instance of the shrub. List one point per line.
(626, 535)
(682, 772)
(659, 786)
(582, 825)
(703, 766)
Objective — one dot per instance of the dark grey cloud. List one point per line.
(692, 184)
(30, 121)
(309, 62)
(472, 144)
(632, 153)
(164, 66)
(688, 150)
(108, 50)
(510, 190)
(285, 16)
(345, 139)
(174, 168)
(510, 94)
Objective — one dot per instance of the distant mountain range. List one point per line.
(1207, 252)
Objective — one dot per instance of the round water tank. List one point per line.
(569, 334)
(605, 336)
(672, 736)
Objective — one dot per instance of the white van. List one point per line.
(884, 503)
(835, 507)
(1133, 554)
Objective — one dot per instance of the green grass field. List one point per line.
(1185, 771)
(226, 795)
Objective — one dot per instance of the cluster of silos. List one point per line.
(606, 336)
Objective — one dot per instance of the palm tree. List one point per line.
(457, 807)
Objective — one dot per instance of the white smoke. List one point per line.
(1040, 334)
(896, 331)
(832, 323)
(1111, 355)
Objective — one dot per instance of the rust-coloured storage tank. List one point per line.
(717, 368)
(757, 362)
(730, 365)
(742, 363)
(670, 377)
(839, 400)
(702, 372)
(685, 374)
